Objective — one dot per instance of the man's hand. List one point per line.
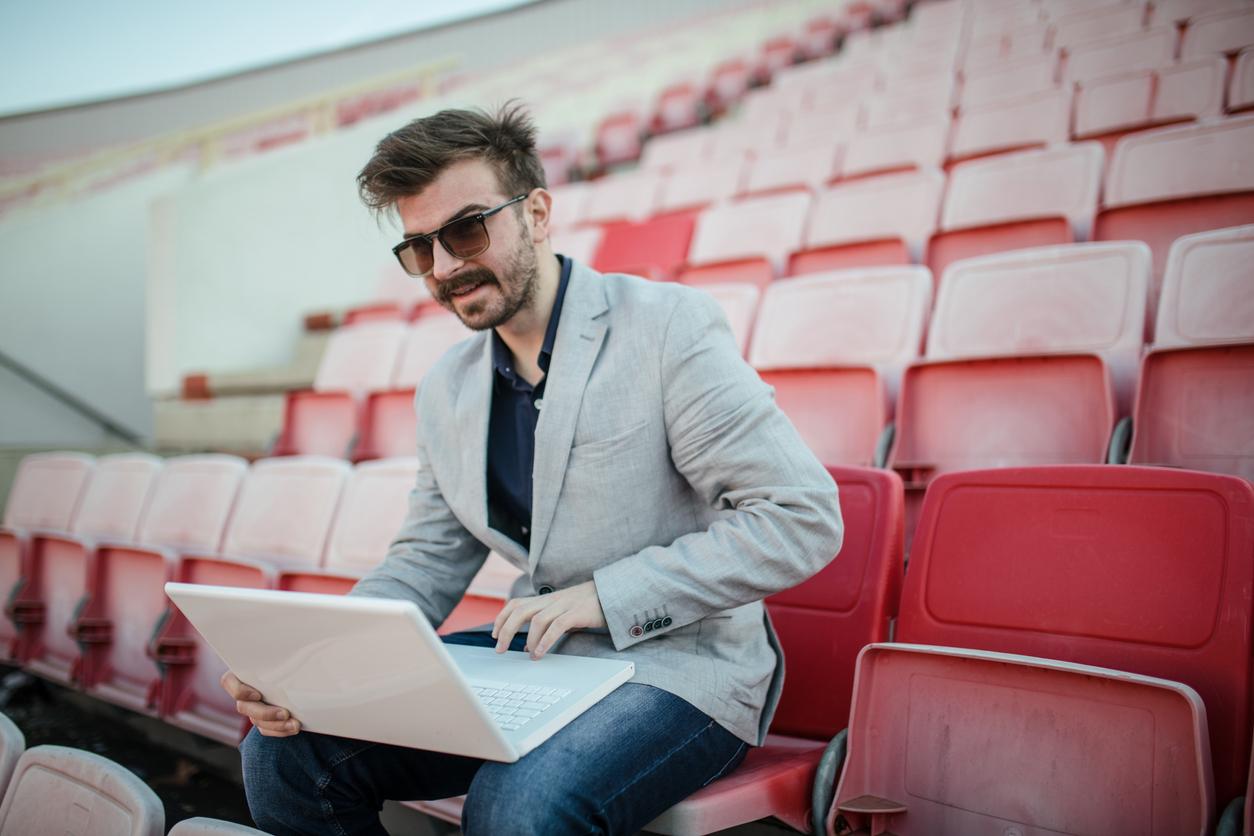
(551, 617)
(270, 720)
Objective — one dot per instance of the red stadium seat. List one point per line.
(1012, 201)
(389, 426)
(626, 196)
(764, 229)
(1225, 32)
(729, 81)
(618, 138)
(877, 220)
(948, 740)
(678, 107)
(60, 568)
(795, 169)
(1027, 121)
(1147, 50)
(916, 146)
(1208, 290)
(1067, 562)
(698, 185)
(1241, 90)
(1050, 300)
(655, 248)
(1168, 183)
(739, 301)
(1151, 97)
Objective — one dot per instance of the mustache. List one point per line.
(446, 289)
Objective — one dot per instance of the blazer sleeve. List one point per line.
(433, 559)
(742, 455)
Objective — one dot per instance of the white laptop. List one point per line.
(374, 669)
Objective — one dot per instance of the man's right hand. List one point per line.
(270, 720)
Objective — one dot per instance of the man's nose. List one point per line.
(443, 264)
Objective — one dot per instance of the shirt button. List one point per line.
(636, 631)
(545, 590)
(524, 529)
(539, 403)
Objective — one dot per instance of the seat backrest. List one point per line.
(625, 196)
(904, 205)
(1047, 300)
(758, 136)
(870, 317)
(657, 246)
(824, 622)
(1166, 12)
(191, 502)
(762, 227)
(201, 826)
(12, 745)
(1025, 121)
(360, 357)
(1241, 88)
(808, 167)
(1062, 181)
(285, 508)
(1081, 27)
(700, 184)
(921, 145)
(375, 501)
(1147, 50)
(579, 243)
(739, 301)
(1139, 569)
(425, 342)
(47, 490)
(116, 496)
(967, 741)
(569, 202)
(1208, 290)
(1190, 161)
(56, 789)
(678, 149)
(1218, 33)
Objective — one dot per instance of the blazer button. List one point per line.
(545, 590)
(636, 631)
(649, 625)
(666, 622)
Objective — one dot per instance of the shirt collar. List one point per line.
(501, 359)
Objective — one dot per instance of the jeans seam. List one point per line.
(641, 775)
(328, 812)
(723, 769)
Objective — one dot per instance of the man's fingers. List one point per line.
(539, 624)
(520, 616)
(238, 690)
(555, 631)
(275, 729)
(262, 711)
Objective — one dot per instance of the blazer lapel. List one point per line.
(473, 409)
(580, 334)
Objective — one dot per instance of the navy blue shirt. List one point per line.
(516, 407)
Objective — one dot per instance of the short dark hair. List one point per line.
(409, 159)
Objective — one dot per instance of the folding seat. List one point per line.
(829, 123)
(655, 248)
(1143, 99)
(1006, 49)
(281, 521)
(626, 196)
(1167, 183)
(739, 302)
(1224, 32)
(729, 81)
(44, 496)
(1195, 403)
(1095, 24)
(919, 146)
(61, 565)
(579, 243)
(1073, 298)
(56, 789)
(324, 420)
(1148, 50)
(569, 202)
(1066, 563)
(965, 741)
(678, 149)
(754, 136)
(747, 240)
(877, 220)
(818, 38)
(1241, 90)
(696, 186)
(678, 107)
(186, 514)
(559, 158)
(775, 54)
(904, 109)
(772, 102)
(1029, 121)
(12, 745)
(1170, 12)
(834, 345)
(619, 137)
(796, 169)
(1011, 201)
(1010, 79)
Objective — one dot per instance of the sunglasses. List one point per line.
(463, 238)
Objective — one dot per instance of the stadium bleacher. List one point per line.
(996, 259)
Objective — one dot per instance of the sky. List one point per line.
(61, 52)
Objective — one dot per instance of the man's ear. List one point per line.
(540, 206)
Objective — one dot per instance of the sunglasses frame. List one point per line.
(438, 235)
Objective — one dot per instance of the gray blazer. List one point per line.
(663, 470)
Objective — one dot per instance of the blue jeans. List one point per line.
(612, 770)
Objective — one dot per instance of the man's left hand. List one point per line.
(551, 617)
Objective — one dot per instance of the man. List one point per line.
(604, 435)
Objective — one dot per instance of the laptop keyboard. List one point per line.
(512, 706)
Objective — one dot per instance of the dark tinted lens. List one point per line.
(416, 256)
(465, 238)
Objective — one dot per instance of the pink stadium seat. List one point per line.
(777, 53)
(965, 741)
(559, 157)
(917, 146)
(61, 566)
(818, 39)
(424, 344)
(1027, 121)
(1147, 50)
(678, 106)
(760, 228)
(1241, 89)
(796, 169)
(1006, 49)
(823, 124)
(739, 301)
(618, 138)
(375, 312)
(44, 496)
(187, 513)
(357, 359)
(877, 220)
(1166, 12)
(678, 149)
(655, 248)
(1223, 32)
(1011, 201)
(1095, 24)
(1208, 290)
(281, 520)
(1067, 299)
(12, 745)
(569, 202)
(1146, 98)
(698, 185)
(1066, 563)
(729, 81)
(579, 243)
(755, 136)
(389, 426)
(624, 196)
(752, 271)
(903, 109)
(1168, 183)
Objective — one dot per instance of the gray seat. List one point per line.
(201, 826)
(12, 745)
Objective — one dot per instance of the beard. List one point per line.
(507, 294)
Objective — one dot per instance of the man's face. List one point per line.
(487, 290)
